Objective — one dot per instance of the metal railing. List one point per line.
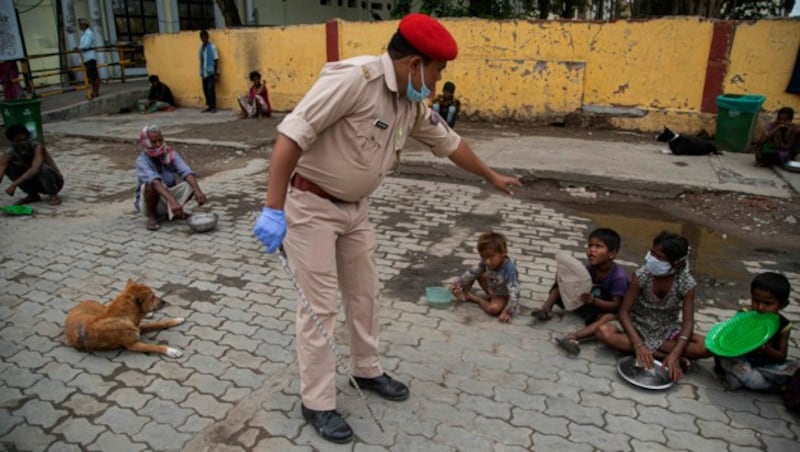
(34, 78)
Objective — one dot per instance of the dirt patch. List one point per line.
(424, 270)
(204, 159)
(591, 131)
(253, 132)
(774, 221)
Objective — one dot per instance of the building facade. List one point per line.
(49, 27)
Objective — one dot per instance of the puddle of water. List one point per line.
(716, 258)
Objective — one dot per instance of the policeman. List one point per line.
(331, 153)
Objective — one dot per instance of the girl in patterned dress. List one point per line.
(657, 313)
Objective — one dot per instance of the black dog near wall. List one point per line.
(681, 145)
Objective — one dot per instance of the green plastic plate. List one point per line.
(744, 332)
(17, 210)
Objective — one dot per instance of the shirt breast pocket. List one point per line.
(369, 139)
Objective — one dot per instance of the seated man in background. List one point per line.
(159, 98)
(256, 102)
(30, 167)
(159, 170)
(446, 105)
(780, 142)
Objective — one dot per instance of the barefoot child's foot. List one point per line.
(54, 200)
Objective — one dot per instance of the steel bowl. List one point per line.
(792, 166)
(656, 378)
(203, 222)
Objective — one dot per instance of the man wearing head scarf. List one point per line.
(331, 152)
(163, 179)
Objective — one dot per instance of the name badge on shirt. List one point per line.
(380, 124)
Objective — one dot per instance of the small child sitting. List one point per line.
(767, 368)
(497, 275)
(609, 285)
(657, 313)
(447, 105)
(780, 142)
(256, 102)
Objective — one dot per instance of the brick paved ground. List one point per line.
(476, 384)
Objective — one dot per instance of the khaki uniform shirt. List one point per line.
(352, 124)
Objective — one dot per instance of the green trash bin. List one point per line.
(26, 112)
(736, 119)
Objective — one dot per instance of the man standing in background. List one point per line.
(209, 71)
(87, 45)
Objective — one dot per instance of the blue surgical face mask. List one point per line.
(657, 267)
(417, 96)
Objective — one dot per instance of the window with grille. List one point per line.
(134, 19)
(196, 14)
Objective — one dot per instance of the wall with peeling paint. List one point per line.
(632, 74)
(762, 57)
(289, 58)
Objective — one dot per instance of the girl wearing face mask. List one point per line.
(657, 313)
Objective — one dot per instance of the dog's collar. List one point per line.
(673, 138)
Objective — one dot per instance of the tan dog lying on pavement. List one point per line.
(93, 326)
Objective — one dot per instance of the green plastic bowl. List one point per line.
(438, 296)
(18, 210)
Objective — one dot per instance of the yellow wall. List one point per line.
(524, 70)
(289, 70)
(762, 57)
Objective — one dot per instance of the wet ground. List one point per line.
(717, 253)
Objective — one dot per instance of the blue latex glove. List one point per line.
(270, 228)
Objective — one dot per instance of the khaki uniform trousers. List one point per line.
(332, 245)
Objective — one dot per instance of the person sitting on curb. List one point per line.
(780, 142)
(158, 170)
(30, 167)
(256, 102)
(446, 105)
(158, 99)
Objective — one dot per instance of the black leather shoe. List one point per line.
(385, 386)
(329, 425)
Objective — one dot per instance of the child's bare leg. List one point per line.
(492, 306)
(695, 348)
(614, 338)
(591, 329)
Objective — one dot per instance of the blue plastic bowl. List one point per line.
(438, 296)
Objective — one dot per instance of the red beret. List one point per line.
(428, 36)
